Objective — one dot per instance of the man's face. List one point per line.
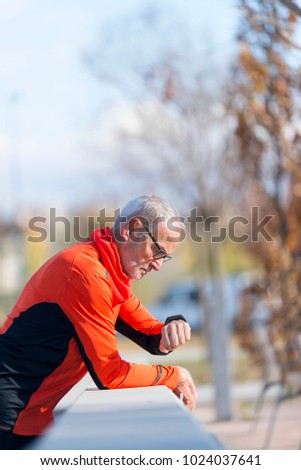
(138, 251)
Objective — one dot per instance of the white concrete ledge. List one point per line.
(137, 418)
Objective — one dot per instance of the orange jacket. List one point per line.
(63, 324)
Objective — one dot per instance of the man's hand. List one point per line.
(174, 334)
(186, 389)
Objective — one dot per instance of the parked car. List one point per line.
(187, 297)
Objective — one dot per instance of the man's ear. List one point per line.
(136, 230)
(135, 225)
(131, 228)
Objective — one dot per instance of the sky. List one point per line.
(51, 104)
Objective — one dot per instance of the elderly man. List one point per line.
(65, 321)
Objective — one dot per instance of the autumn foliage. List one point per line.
(264, 99)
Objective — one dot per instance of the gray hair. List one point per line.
(151, 209)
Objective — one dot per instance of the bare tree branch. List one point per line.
(292, 6)
(275, 22)
(288, 40)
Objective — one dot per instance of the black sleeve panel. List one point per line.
(148, 342)
(86, 359)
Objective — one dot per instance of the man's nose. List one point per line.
(156, 264)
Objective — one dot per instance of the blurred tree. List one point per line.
(264, 98)
(169, 110)
(172, 143)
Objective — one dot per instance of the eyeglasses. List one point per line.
(161, 253)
